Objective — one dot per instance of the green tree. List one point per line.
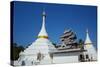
(15, 50)
(81, 43)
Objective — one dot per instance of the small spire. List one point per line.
(87, 41)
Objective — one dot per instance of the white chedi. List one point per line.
(91, 51)
(40, 51)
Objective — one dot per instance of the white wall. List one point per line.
(65, 59)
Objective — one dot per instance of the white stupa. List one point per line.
(91, 53)
(40, 51)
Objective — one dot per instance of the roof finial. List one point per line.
(87, 30)
(44, 14)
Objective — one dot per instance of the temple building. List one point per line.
(42, 51)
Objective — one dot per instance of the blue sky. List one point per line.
(28, 20)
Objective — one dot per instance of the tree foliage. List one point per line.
(15, 50)
(81, 43)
